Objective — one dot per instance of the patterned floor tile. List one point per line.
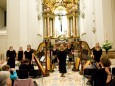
(71, 79)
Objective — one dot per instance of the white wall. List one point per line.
(99, 21)
(34, 26)
(3, 43)
(23, 24)
(1, 18)
(107, 19)
(13, 23)
(104, 20)
(87, 24)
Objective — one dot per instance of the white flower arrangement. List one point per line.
(107, 45)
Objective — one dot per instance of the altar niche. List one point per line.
(61, 24)
(60, 18)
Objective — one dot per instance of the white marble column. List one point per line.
(113, 21)
(107, 19)
(13, 23)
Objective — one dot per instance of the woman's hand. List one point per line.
(109, 77)
(107, 69)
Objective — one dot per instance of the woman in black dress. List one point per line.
(54, 56)
(11, 55)
(102, 76)
(62, 54)
(69, 54)
(97, 52)
(20, 54)
(28, 54)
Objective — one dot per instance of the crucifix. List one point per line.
(60, 19)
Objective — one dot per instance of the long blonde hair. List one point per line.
(62, 47)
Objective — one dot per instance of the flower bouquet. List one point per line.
(107, 46)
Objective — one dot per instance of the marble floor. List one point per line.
(71, 79)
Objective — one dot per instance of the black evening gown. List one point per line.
(20, 55)
(99, 77)
(62, 61)
(28, 55)
(11, 58)
(54, 53)
(97, 54)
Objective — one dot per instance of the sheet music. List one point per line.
(42, 58)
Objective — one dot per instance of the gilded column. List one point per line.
(73, 29)
(77, 31)
(48, 29)
(45, 27)
(53, 28)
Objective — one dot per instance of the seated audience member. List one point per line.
(13, 74)
(24, 65)
(102, 77)
(5, 78)
(23, 71)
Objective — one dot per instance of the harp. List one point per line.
(85, 44)
(79, 57)
(44, 69)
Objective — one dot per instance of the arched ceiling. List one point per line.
(53, 4)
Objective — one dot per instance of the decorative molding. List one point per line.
(39, 35)
(83, 34)
(82, 9)
(94, 30)
(39, 13)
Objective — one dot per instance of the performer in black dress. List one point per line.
(62, 54)
(29, 55)
(20, 54)
(54, 55)
(69, 54)
(102, 76)
(97, 52)
(11, 55)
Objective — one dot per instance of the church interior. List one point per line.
(81, 31)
